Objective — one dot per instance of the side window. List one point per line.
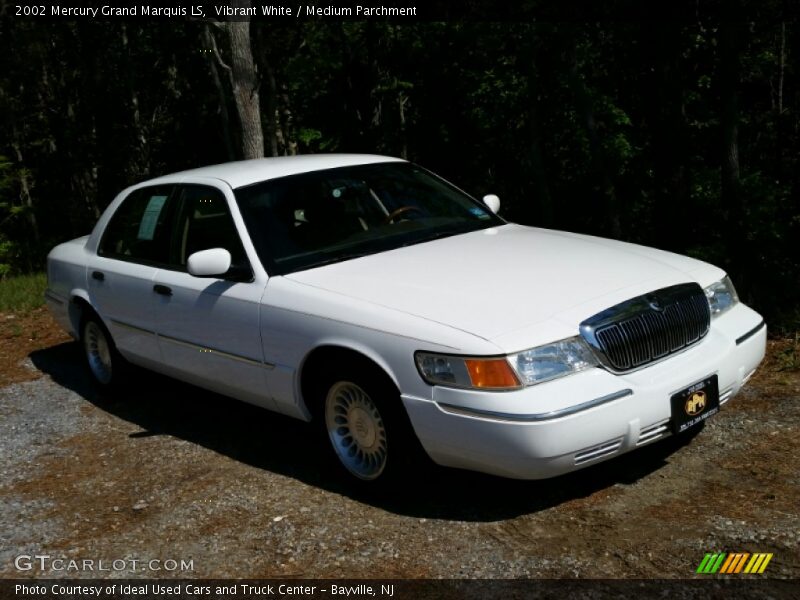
(204, 222)
(139, 230)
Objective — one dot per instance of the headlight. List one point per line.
(507, 373)
(467, 372)
(554, 360)
(721, 296)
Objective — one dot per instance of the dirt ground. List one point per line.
(166, 471)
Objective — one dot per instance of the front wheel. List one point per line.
(368, 429)
(356, 430)
(105, 364)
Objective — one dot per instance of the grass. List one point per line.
(789, 357)
(23, 293)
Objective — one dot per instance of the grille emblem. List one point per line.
(654, 303)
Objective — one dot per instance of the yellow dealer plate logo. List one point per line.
(695, 404)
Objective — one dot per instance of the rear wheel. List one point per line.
(105, 364)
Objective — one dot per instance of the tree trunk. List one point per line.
(244, 83)
(402, 100)
(208, 42)
(782, 67)
(667, 116)
(778, 119)
(245, 88)
(729, 42)
(739, 250)
(141, 166)
(287, 123)
(585, 109)
(274, 131)
(544, 201)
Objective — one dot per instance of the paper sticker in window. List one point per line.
(147, 227)
(479, 212)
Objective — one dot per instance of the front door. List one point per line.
(208, 327)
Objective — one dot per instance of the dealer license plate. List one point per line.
(695, 404)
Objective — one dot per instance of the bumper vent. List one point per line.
(725, 396)
(599, 451)
(648, 328)
(654, 432)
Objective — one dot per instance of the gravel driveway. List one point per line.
(169, 472)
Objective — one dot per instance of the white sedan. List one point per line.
(370, 296)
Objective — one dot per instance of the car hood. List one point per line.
(512, 285)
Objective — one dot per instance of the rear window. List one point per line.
(139, 229)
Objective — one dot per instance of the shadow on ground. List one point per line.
(164, 406)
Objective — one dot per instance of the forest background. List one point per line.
(681, 134)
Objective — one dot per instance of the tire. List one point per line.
(367, 429)
(105, 364)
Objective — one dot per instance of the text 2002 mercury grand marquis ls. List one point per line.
(372, 297)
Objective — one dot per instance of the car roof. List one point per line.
(246, 172)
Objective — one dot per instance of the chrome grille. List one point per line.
(649, 327)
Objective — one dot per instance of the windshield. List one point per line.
(308, 220)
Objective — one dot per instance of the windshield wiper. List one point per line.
(335, 259)
(330, 257)
(435, 236)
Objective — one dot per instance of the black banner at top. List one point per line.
(403, 10)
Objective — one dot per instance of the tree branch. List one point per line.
(216, 52)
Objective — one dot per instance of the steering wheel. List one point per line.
(401, 211)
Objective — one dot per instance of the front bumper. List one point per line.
(567, 424)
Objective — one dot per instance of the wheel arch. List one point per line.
(336, 352)
(79, 306)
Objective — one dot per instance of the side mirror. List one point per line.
(492, 202)
(209, 263)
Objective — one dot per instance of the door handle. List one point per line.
(162, 290)
(98, 275)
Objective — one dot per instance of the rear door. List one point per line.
(208, 327)
(134, 245)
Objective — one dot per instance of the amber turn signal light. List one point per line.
(492, 373)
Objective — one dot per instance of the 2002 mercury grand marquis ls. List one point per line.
(372, 297)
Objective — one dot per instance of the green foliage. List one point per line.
(9, 257)
(8, 250)
(15, 235)
(22, 293)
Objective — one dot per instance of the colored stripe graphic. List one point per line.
(727, 564)
(703, 563)
(758, 563)
(734, 563)
(711, 563)
(740, 566)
